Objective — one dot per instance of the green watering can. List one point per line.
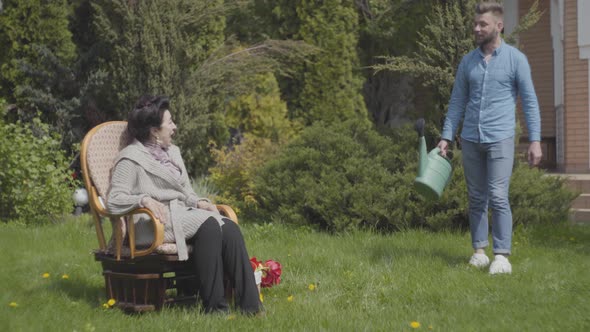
(434, 170)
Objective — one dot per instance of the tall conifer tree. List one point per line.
(155, 47)
(328, 86)
(37, 48)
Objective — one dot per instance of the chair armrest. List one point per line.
(158, 232)
(227, 211)
(224, 210)
(127, 217)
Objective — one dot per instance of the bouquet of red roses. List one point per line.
(271, 271)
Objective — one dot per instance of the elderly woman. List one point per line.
(150, 173)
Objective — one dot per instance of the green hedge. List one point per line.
(347, 176)
(35, 184)
(536, 197)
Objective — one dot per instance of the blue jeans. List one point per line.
(488, 168)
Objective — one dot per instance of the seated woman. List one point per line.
(150, 173)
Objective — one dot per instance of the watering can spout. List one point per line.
(423, 153)
(419, 126)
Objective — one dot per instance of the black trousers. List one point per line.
(219, 251)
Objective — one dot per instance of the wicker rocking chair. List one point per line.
(139, 279)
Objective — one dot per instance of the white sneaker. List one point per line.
(479, 260)
(500, 265)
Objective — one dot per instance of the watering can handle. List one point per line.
(449, 155)
(419, 126)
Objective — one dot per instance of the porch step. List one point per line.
(580, 210)
(580, 216)
(579, 182)
(582, 202)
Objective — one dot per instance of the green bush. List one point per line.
(342, 177)
(448, 212)
(235, 169)
(348, 176)
(35, 184)
(259, 119)
(537, 198)
(261, 112)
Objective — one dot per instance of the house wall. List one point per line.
(559, 63)
(575, 94)
(536, 44)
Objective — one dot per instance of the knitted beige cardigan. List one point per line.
(137, 174)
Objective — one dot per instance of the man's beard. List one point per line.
(488, 39)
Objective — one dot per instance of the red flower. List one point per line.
(271, 271)
(272, 274)
(255, 263)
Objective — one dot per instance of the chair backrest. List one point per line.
(99, 150)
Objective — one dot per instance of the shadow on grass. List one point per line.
(561, 236)
(381, 253)
(81, 290)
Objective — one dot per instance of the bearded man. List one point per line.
(486, 87)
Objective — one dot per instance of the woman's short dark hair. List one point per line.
(147, 113)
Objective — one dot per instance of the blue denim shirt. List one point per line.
(484, 95)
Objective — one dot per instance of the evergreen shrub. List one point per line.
(258, 119)
(340, 177)
(236, 168)
(537, 198)
(35, 182)
(347, 176)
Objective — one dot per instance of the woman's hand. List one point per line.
(158, 209)
(206, 206)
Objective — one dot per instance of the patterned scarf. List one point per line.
(161, 155)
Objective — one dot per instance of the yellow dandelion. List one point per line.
(105, 305)
(261, 297)
(65, 276)
(13, 304)
(111, 302)
(45, 275)
(311, 287)
(415, 325)
(290, 298)
(231, 317)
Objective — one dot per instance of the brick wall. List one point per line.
(576, 95)
(536, 43)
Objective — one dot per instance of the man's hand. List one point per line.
(157, 208)
(206, 206)
(534, 153)
(443, 145)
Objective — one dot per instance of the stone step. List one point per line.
(580, 211)
(579, 182)
(582, 202)
(580, 216)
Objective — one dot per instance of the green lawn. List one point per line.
(364, 281)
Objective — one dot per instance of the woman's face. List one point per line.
(166, 130)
